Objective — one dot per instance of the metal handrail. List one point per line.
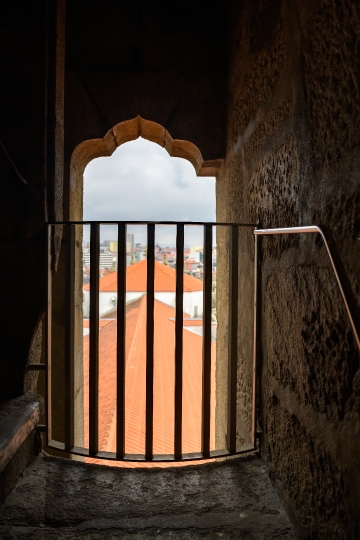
(316, 229)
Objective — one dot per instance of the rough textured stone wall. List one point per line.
(293, 158)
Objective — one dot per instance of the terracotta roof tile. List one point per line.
(193, 322)
(165, 279)
(164, 342)
(106, 283)
(102, 322)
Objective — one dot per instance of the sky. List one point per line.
(140, 181)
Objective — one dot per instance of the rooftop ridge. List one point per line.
(165, 279)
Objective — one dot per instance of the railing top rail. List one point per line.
(195, 223)
(336, 266)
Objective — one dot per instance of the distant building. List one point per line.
(113, 246)
(106, 260)
(191, 265)
(197, 253)
(165, 287)
(130, 240)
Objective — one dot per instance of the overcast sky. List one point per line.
(140, 181)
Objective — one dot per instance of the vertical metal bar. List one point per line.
(94, 340)
(206, 394)
(150, 341)
(232, 336)
(256, 343)
(120, 354)
(179, 340)
(48, 318)
(69, 335)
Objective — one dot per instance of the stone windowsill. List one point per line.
(18, 418)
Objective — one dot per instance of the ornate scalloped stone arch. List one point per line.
(123, 132)
(85, 152)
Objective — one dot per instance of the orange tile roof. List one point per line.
(187, 321)
(164, 343)
(106, 283)
(165, 279)
(102, 322)
(193, 322)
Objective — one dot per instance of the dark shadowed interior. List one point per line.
(264, 95)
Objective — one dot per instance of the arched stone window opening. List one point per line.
(82, 155)
(123, 132)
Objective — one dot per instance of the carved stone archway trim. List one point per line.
(130, 130)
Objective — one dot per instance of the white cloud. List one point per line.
(140, 181)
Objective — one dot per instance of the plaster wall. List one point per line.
(293, 158)
(191, 301)
(105, 303)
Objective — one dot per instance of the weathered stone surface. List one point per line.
(58, 498)
(19, 442)
(293, 158)
(332, 55)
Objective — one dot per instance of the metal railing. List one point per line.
(335, 261)
(178, 455)
(68, 445)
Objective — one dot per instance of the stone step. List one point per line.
(64, 499)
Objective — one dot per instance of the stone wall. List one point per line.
(293, 159)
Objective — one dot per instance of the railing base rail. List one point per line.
(157, 458)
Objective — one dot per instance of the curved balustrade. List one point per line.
(207, 410)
